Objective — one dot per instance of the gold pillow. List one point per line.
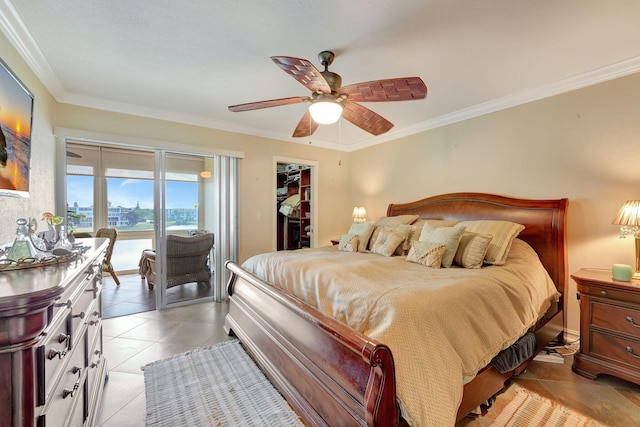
(413, 234)
(472, 249)
(348, 243)
(449, 236)
(435, 223)
(428, 254)
(387, 242)
(389, 222)
(503, 233)
(363, 231)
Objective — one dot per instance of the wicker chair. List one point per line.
(112, 234)
(186, 261)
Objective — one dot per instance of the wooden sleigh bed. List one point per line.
(333, 375)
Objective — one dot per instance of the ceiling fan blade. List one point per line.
(400, 89)
(267, 104)
(306, 126)
(365, 119)
(304, 72)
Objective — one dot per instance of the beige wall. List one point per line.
(257, 170)
(42, 150)
(583, 145)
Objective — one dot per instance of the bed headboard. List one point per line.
(544, 221)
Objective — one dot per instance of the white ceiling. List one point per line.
(186, 61)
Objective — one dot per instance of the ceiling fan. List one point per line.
(329, 101)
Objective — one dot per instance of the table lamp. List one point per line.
(359, 214)
(628, 219)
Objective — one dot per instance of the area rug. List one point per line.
(527, 409)
(215, 386)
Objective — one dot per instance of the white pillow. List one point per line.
(363, 231)
(449, 236)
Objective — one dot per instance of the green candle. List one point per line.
(622, 272)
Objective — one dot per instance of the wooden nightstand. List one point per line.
(609, 326)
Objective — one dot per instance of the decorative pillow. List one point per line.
(412, 234)
(435, 223)
(472, 249)
(428, 254)
(348, 243)
(363, 231)
(503, 233)
(389, 222)
(387, 242)
(449, 236)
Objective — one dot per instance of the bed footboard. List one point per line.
(329, 373)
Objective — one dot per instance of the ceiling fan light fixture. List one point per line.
(325, 111)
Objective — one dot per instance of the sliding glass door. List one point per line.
(149, 195)
(186, 212)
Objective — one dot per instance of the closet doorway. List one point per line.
(295, 204)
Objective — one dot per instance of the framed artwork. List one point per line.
(16, 115)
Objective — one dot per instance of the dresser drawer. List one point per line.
(81, 304)
(94, 320)
(94, 368)
(615, 349)
(69, 390)
(52, 356)
(620, 318)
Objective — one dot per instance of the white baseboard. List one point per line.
(572, 336)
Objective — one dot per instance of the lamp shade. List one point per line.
(629, 214)
(325, 111)
(359, 214)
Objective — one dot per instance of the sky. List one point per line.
(15, 104)
(129, 192)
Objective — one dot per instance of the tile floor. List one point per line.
(134, 296)
(608, 400)
(132, 341)
(135, 340)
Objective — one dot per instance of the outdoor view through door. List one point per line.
(121, 188)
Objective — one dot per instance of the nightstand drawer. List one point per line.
(623, 319)
(615, 349)
(626, 295)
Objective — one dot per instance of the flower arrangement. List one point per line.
(52, 219)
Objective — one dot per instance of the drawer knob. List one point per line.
(63, 337)
(80, 315)
(630, 351)
(603, 293)
(55, 353)
(64, 304)
(630, 320)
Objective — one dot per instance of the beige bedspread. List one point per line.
(442, 325)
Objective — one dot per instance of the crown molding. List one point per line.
(600, 75)
(19, 36)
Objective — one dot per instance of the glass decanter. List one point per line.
(63, 240)
(22, 247)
